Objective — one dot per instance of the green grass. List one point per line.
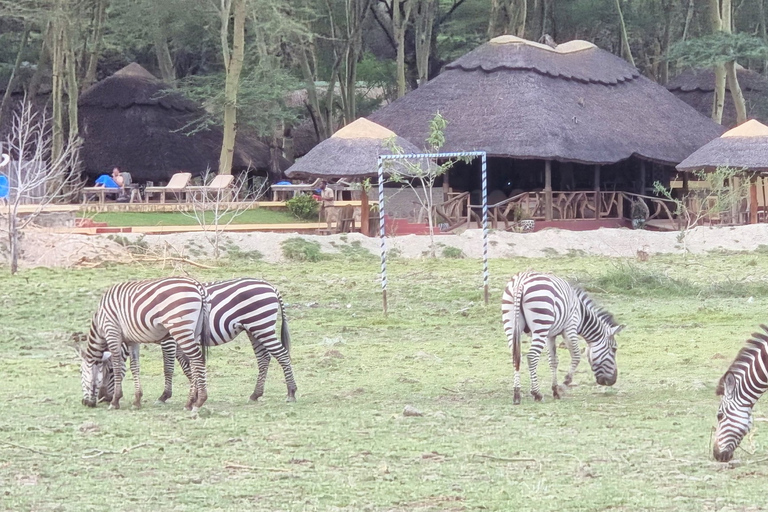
(345, 445)
(256, 216)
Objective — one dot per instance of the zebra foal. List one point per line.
(740, 387)
(547, 306)
(146, 312)
(237, 305)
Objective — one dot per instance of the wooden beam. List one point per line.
(548, 189)
(753, 200)
(597, 178)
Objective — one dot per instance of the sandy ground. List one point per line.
(51, 250)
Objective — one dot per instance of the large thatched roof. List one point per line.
(135, 121)
(351, 152)
(518, 99)
(745, 146)
(696, 87)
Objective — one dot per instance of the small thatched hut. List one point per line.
(696, 87)
(570, 118)
(743, 147)
(351, 152)
(137, 122)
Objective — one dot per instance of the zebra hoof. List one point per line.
(556, 392)
(536, 396)
(114, 406)
(568, 380)
(516, 398)
(254, 397)
(290, 398)
(194, 408)
(89, 403)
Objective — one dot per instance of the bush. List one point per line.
(303, 207)
(452, 252)
(298, 249)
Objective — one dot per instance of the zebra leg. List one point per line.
(572, 340)
(168, 347)
(189, 345)
(137, 393)
(118, 365)
(276, 349)
(537, 345)
(552, 349)
(262, 359)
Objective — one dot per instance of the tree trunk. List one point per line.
(57, 92)
(626, 51)
(234, 66)
(313, 103)
(99, 19)
(13, 240)
(43, 61)
(72, 90)
(426, 12)
(719, 96)
(12, 81)
(548, 18)
(399, 24)
(738, 97)
(522, 14)
(164, 59)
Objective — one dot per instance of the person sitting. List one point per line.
(114, 181)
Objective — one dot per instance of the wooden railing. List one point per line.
(566, 205)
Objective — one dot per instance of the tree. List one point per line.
(233, 65)
(33, 178)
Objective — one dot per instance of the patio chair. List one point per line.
(102, 192)
(283, 190)
(130, 190)
(177, 185)
(221, 185)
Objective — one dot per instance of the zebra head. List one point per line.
(92, 362)
(601, 353)
(734, 418)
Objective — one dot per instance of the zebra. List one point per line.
(740, 388)
(146, 312)
(237, 305)
(546, 306)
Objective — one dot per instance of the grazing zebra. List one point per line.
(740, 387)
(237, 305)
(547, 306)
(146, 312)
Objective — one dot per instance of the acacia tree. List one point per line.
(233, 65)
(33, 178)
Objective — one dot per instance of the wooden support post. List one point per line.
(598, 201)
(548, 189)
(597, 178)
(642, 178)
(753, 200)
(364, 212)
(446, 184)
(685, 183)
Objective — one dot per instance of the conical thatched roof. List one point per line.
(745, 146)
(518, 99)
(135, 121)
(696, 87)
(351, 152)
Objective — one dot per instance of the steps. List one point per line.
(400, 227)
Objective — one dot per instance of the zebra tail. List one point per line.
(285, 335)
(205, 328)
(517, 297)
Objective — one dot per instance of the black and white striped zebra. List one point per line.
(147, 312)
(547, 306)
(740, 388)
(238, 305)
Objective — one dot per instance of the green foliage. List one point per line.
(718, 48)
(453, 252)
(355, 251)
(303, 207)
(138, 246)
(299, 249)
(253, 216)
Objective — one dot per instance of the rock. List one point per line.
(410, 410)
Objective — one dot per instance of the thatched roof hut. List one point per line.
(696, 87)
(574, 103)
(745, 146)
(137, 122)
(351, 152)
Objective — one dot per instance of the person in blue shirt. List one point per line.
(114, 181)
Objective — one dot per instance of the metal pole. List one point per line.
(485, 229)
(382, 236)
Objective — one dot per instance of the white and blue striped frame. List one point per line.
(382, 233)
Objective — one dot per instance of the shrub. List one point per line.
(298, 249)
(303, 207)
(452, 252)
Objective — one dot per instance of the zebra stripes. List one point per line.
(146, 312)
(547, 306)
(740, 388)
(237, 305)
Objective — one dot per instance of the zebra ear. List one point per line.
(729, 388)
(616, 329)
(105, 356)
(719, 390)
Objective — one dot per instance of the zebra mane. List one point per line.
(589, 304)
(754, 345)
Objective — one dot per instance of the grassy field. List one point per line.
(256, 216)
(345, 445)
